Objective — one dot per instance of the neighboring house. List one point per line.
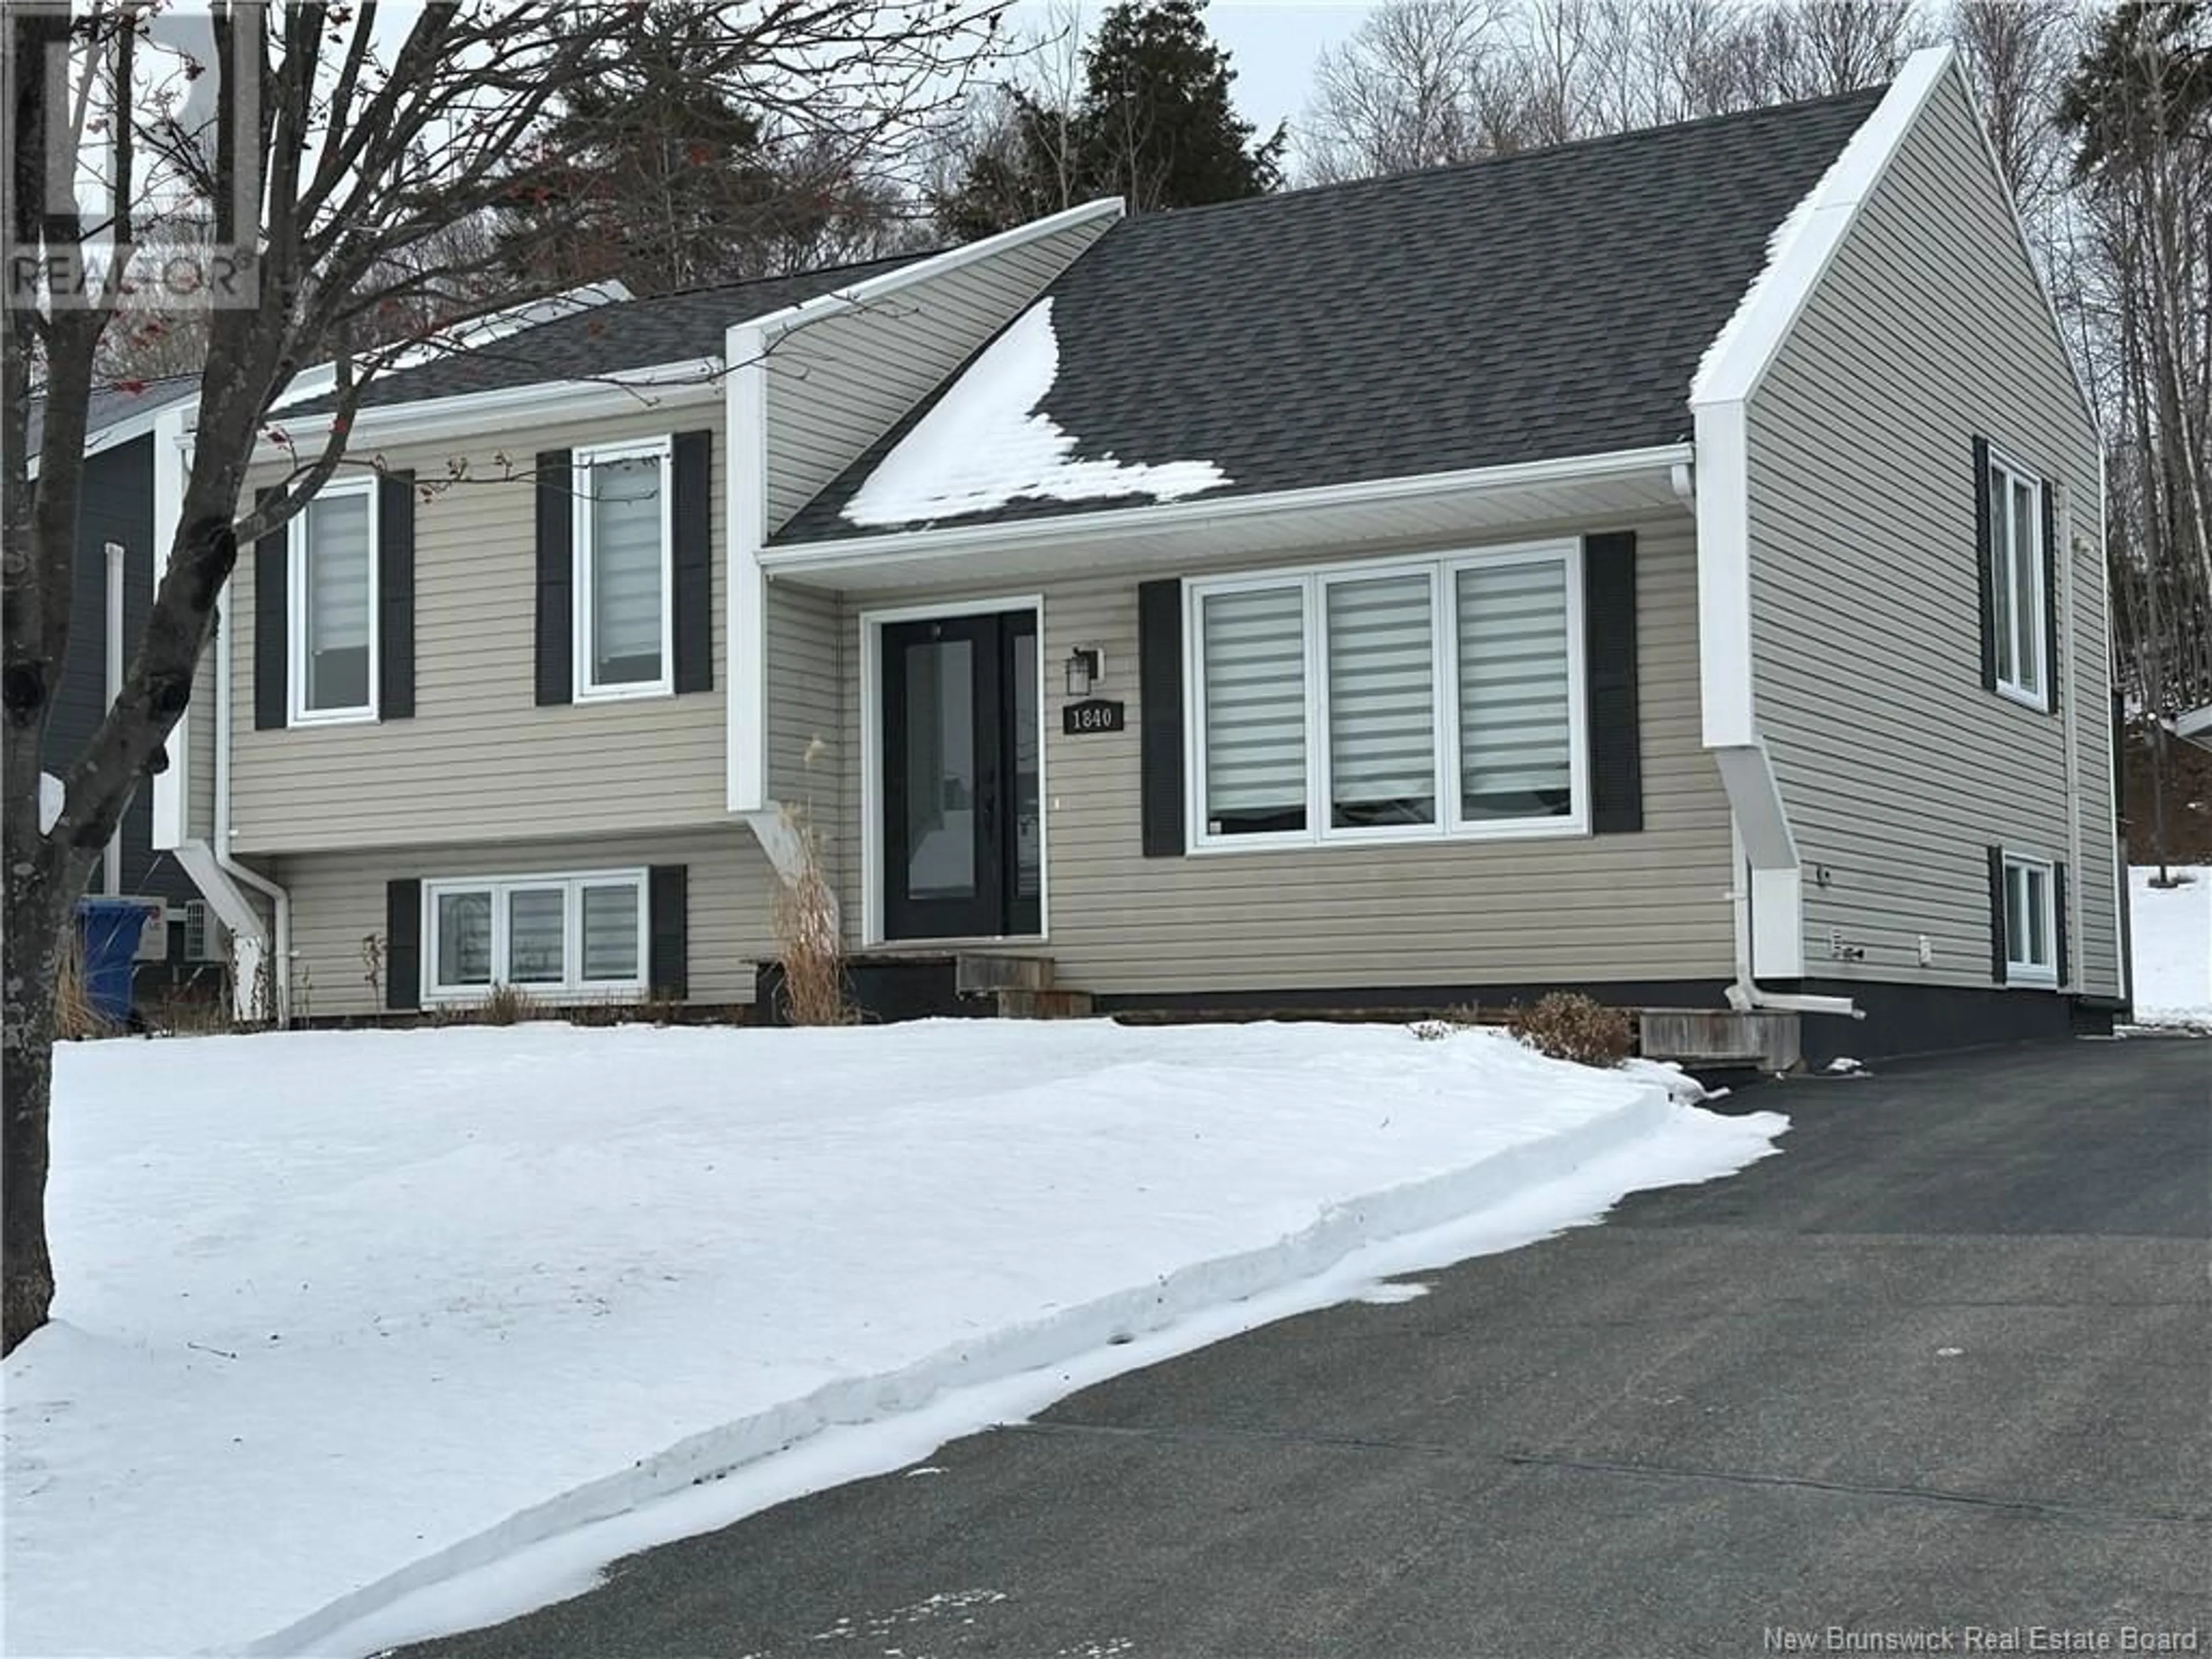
(112, 592)
(1669, 565)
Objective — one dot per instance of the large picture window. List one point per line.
(546, 934)
(623, 536)
(1392, 700)
(333, 605)
(2018, 589)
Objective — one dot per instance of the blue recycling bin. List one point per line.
(110, 929)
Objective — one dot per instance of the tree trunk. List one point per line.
(34, 919)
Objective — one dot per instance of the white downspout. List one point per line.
(279, 901)
(111, 879)
(1749, 778)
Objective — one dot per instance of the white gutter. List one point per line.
(1768, 890)
(660, 386)
(1115, 524)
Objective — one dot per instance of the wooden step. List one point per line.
(1766, 1038)
(978, 973)
(1044, 1005)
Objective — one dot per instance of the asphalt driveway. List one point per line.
(1944, 1367)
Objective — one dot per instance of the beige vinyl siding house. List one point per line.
(1351, 619)
(1898, 768)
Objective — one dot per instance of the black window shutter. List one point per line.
(272, 618)
(1616, 747)
(2054, 566)
(668, 962)
(1986, 564)
(557, 559)
(2059, 920)
(402, 944)
(1159, 690)
(1999, 948)
(692, 514)
(395, 588)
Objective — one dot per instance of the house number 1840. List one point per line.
(1094, 715)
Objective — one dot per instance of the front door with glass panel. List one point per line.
(962, 829)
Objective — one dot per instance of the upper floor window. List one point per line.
(624, 539)
(1390, 700)
(333, 605)
(2020, 587)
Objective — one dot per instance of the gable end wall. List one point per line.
(837, 385)
(1897, 768)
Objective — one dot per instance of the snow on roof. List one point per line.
(987, 442)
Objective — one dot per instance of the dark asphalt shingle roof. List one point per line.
(115, 403)
(1550, 303)
(611, 337)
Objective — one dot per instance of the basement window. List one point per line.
(546, 934)
(2030, 922)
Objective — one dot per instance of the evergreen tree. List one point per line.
(2144, 84)
(1158, 128)
(1154, 125)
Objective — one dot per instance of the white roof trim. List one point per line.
(2195, 726)
(321, 380)
(577, 399)
(956, 540)
(634, 391)
(1806, 242)
(808, 312)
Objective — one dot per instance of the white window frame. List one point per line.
(662, 449)
(295, 607)
(573, 982)
(2005, 474)
(2017, 971)
(1443, 570)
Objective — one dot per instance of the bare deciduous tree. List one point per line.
(350, 172)
(1405, 92)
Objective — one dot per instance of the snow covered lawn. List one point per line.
(347, 1318)
(2171, 947)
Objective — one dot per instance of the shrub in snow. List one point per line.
(1567, 1026)
(504, 1005)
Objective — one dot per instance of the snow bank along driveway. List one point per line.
(344, 1315)
(2171, 947)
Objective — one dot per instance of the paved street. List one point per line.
(1948, 1361)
